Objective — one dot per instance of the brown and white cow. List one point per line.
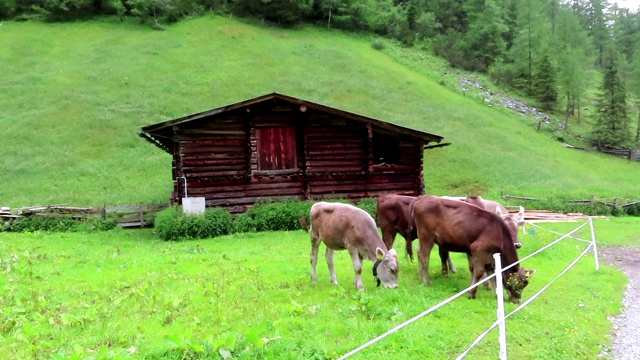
(461, 227)
(343, 226)
(394, 218)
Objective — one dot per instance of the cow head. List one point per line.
(516, 282)
(386, 268)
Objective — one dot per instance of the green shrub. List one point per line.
(633, 210)
(58, 224)
(7, 9)
(281, 215)
(218, 221)
(42, 223)
(94, 224)
(377, 44)
(243, 223)
(172, 224)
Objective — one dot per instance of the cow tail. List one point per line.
(304, 224)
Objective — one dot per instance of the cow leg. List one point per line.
(444, 260)
(424, 252)
(452, 266)
(491, 284)
(357, 267)
(315, 245)
(332, 270)
(477, 270)
(388, 236)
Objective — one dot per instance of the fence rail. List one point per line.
(125, 216)
(592, 200)
(133, 215)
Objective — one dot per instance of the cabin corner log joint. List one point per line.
(280, 147)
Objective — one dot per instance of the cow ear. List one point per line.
(392, 252)
(529, 273)
(379, 253)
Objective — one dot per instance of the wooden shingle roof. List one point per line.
(159, 134)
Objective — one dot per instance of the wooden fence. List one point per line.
(133, 215)
(125, 216)
(592, 200)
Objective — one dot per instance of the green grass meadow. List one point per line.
(125, 294)
(74, 96)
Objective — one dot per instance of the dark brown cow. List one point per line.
(343, 226)
(461, 227)
(394, 218)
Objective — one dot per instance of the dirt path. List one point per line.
(626, 326)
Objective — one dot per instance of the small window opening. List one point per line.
(386, 149)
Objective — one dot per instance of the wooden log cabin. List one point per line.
(280, 147)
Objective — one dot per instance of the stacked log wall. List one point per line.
(217, 159)
(339, 162)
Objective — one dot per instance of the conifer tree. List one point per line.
(545, 89)
(611, 128)
(573, 55)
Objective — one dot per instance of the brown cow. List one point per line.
(513, 221)
(461, 227)
(343, 226)
(394, 217)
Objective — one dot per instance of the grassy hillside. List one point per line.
(75, 94)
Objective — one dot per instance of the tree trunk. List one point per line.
(567, 113)
(638, 128)
(578, 103)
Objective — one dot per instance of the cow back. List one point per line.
(344, 226)
(393, 213)
(457, 226)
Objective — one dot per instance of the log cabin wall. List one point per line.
(277, 147)
(220, 159)
(213, 156)
(340, 161)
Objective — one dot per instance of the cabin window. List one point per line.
(277, 148)
(386, 149)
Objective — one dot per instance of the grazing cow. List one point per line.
(343, 226)
(394, 217)
(513, 221)
(461, 227)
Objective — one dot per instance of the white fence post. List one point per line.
(502, 339)
(593, 243)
